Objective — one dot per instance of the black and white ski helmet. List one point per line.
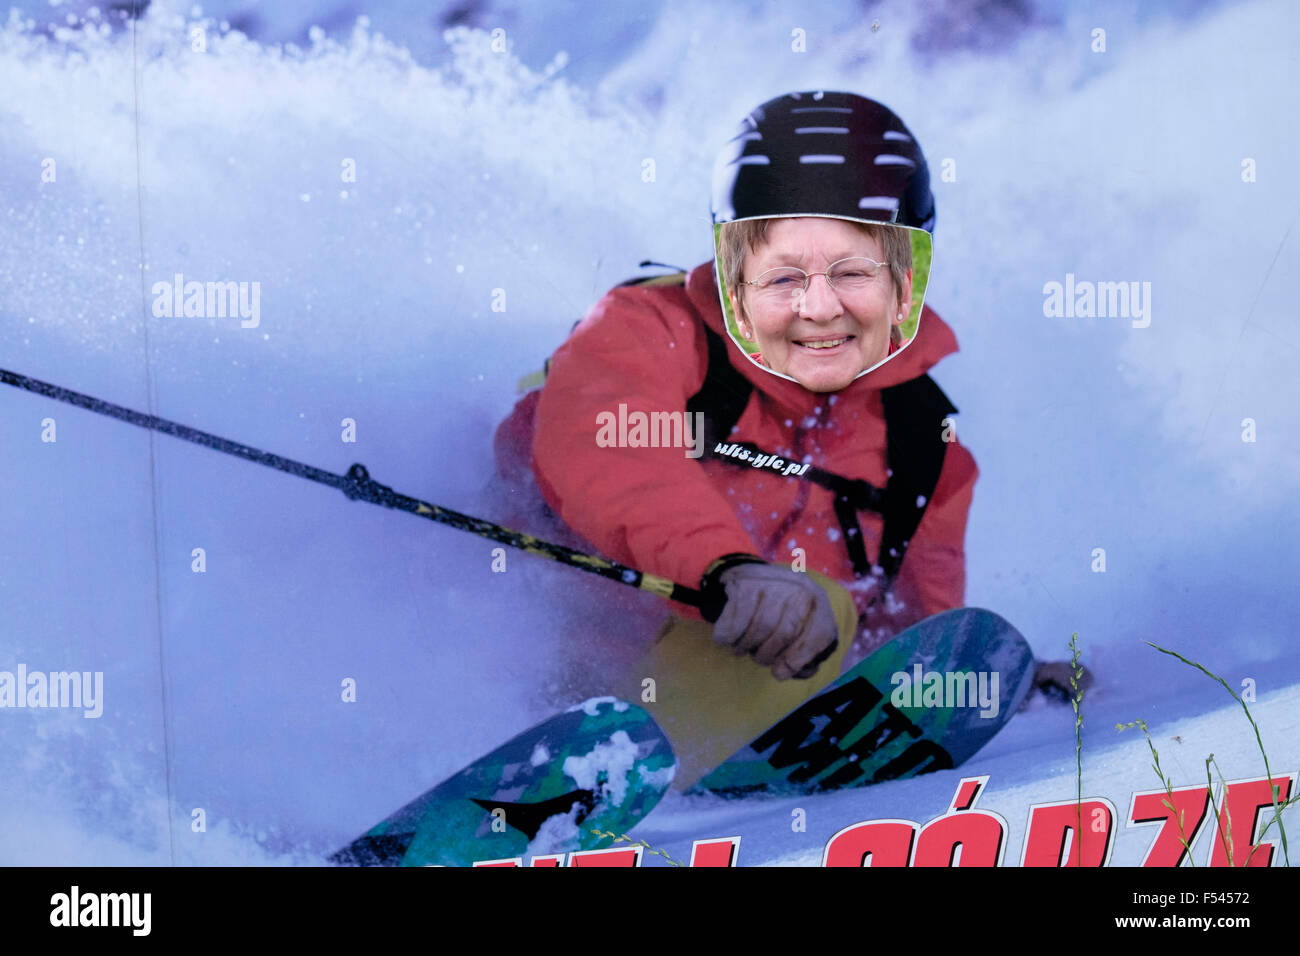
(823, 153)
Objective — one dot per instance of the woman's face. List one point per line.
(823, 339)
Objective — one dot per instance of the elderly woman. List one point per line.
(828, 448)
(823, 335)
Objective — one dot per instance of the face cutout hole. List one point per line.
(821, 300)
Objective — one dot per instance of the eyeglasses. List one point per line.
(847, 277)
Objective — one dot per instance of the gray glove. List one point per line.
(779, 616)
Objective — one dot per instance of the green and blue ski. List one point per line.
(600, 766)
(926, 701)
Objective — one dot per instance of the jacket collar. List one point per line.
(933, 340)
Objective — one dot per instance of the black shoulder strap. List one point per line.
(722, 396)
(914, 445)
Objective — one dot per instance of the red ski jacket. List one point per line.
(656, 509)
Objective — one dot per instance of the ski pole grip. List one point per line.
(711, 604)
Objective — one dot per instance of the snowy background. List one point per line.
(521, 170)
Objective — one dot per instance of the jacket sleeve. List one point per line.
(652, 508)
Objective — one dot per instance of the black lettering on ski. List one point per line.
(529, 817)
(912, 757)
(895, 722)
(889, 729)
(843, 707)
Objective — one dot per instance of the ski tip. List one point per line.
(385, 850)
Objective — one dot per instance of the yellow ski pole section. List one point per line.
(710, 702)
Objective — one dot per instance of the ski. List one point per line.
(928, 700)
(596, 769)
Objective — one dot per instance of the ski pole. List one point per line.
(359, 486)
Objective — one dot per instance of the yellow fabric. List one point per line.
(531, 381)
(710, 702)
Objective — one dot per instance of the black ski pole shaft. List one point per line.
(359, 486)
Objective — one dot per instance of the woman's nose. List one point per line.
(819, 299)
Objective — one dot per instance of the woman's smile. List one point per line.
(819, 300)
(824, 344)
